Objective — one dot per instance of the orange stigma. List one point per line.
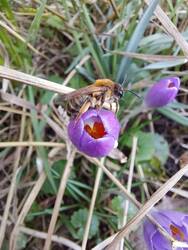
(97, 131)
(177, 232)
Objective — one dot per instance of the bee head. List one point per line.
(118, 90)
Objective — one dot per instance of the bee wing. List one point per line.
(83, 91)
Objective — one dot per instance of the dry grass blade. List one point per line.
(159, 194)
(176, 191)
(55, 238)
(104, 243)
(42, 235)
(19, 37)
(27, 205)
(17, 100)
(62, 186)
(171, 29)
(141, 174)
(31, 144)
(129, 184)
(74, 71)
(15, 75)
(13, 184)
(93, 199)
(148, 57)
(54, 126)
(14, 111)
(5, 57)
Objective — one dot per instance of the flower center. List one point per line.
(96, 131)
(177, 233)
(171, 84)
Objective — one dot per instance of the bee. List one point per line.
(103, 93)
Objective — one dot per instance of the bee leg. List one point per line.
(93, 101)
(83, 109)
(117, 105)
(99, 103)
(106, 98)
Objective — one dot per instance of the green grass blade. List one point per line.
(174, 115)
(93, 43)
(165, 64)
(5, 6)
(35, 25)
(40, 150)
(135, 39)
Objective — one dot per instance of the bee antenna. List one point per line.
(124, 80)
(132, 92)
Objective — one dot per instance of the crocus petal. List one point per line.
(99, 147)
(185, 223)
(109, 121)
(75, 131)
(174, 216)
(149, 231)
(175, 223)
(160, 242)
(162, 92)
(92, 138)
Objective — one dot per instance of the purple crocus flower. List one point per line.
(162, 92)
(175, 223)
(95, 133)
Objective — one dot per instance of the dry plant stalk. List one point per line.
(19, 37)
(129, 184)
(34, 81)
(27, 205)
(42, 235)
(31, 144)
(171, 29)
(55, 238)
(61, 190)
(92, 205)
(13, 184)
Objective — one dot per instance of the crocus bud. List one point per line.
(175, 223)
(162, 92)
(95, 133)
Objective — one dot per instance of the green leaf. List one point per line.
(78, 220)
(174, 115)
(57, 169)
(21, 241)
(5, 6)
(166, 64)
(146, 146)
(150, 146)
(55, 22)
(161, 148)
(135, 39)
(76, 60)
(34, 209)
(82, 71)
(117, 204)
(41, 151)
(78, 192)
(35, 25)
